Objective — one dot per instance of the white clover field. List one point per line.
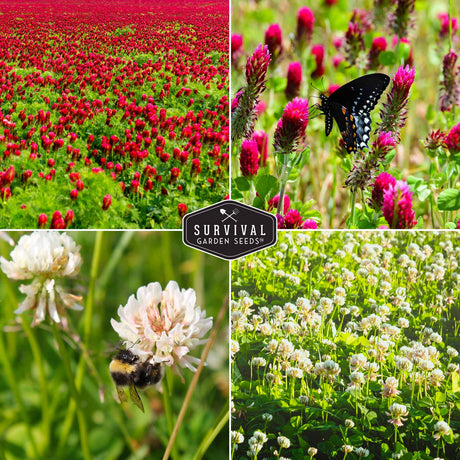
(345, 345)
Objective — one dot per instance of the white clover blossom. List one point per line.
(163, 326)
(44, 257)
(442, 429)
(283, 442)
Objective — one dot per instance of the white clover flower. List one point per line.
(259, 362)
(267, 417)
(346, 448)
(163, 326)
(237, 437)
(451, 352)
(390, 388)
(397, 412)
(283, 442)
(357, 362)
(44, 257)
(442, 429)
(312, 451)
(362, 452)
(271, 346)
(265, 329)
(357, 378)
(294, 372)
(349, 423)
(234, 347)
(5, 237)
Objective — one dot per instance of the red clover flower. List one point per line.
(444, 30)
(450, 85)
(294, 80)
(397, 206)
(290, 130)
(274, 41)
(261, 138)
(379, 44)
(318, 52)
(382, 182)
(305, 23)
(394, 112)
(237, 48)
(354, 43)
(246, 99)
(452, 139)
(401, 20)
(249, 158)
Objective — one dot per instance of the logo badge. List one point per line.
(229, 229)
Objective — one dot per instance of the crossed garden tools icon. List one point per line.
(229, 216)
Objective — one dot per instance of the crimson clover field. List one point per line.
(113, 114)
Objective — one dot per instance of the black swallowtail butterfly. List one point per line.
(350, 106)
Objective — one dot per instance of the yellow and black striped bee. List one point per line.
(127, 370)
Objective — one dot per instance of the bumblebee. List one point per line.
(127, 370)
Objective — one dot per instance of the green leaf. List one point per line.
(266, 185)
(387, 58)
(449, 200)
(242, 183)
(258, 203)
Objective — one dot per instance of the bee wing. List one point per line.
(121, 394)
(135, 397)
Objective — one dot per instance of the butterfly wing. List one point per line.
(347, 125)
(351, 104)
(362, 94)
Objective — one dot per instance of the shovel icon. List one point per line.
(229, 216)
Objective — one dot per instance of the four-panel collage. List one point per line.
(229, 229)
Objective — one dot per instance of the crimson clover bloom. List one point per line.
(458, 224)
(237, 48)
(305, 23)
(106, 202)
(290, 130)
(444, 19)
(182, 209)
(382, 182)
(294, 80)
(435, 140)
(261, 138)
(273, 203)
(249, 158)
(379, 44)
(274, 40)
(394, 112)
(397, 206)
(354, 42)
(450, 86)
(310, 224)
(401, 20)
(292, 219)
(452, 139)
(383, 145)
(247, 98)
(318, 52)
(366, 166)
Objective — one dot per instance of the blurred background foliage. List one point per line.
(128, 261)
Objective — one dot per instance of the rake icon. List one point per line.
(229, 216)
